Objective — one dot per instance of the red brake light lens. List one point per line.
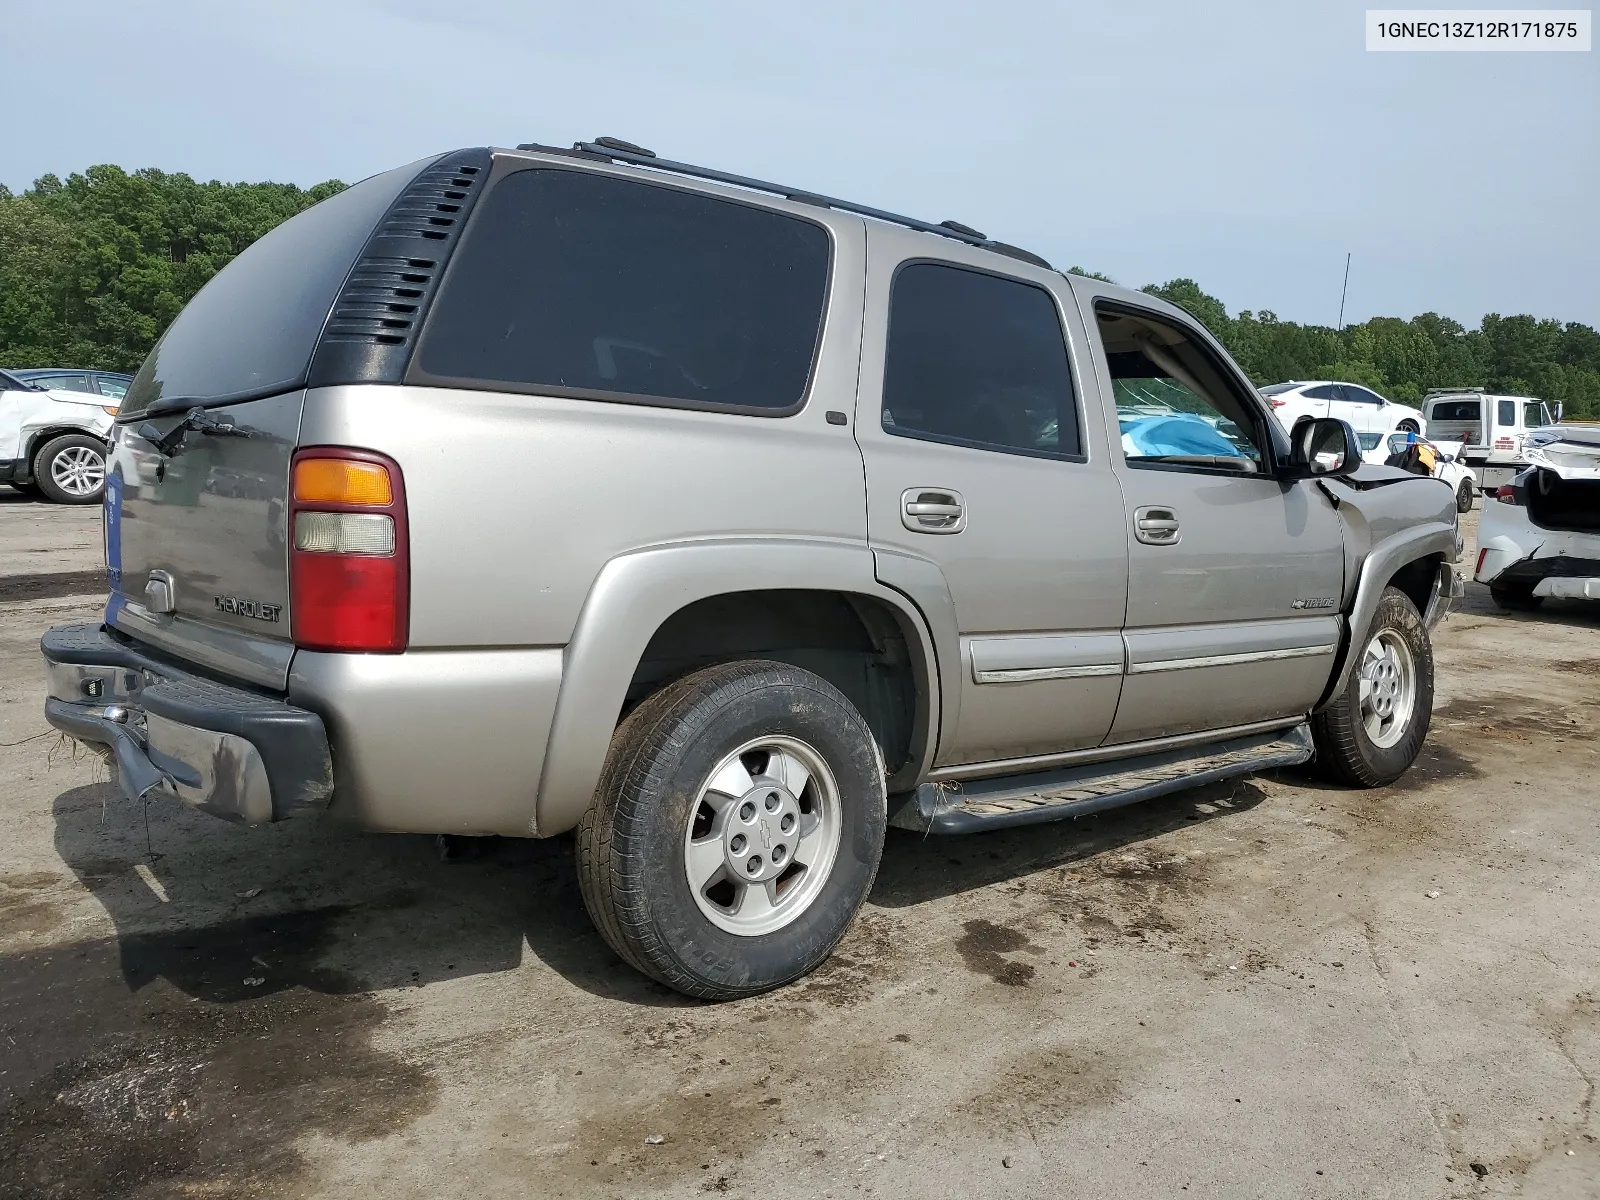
(349, 555)
(1507, 494)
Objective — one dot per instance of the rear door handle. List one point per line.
(932, 510)
(1156, 525)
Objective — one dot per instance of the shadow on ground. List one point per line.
(236, 1008)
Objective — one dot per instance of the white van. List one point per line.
(1494, 428)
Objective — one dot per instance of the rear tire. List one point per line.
(1373, 732)
(1464, 496)
(71, 469)
(1515, 597)
(736, 829)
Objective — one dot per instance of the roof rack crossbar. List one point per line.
(952, 230)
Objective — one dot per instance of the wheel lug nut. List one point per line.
(747, 811)
(787, 823)
(777, 853)
(737, 845)
(772, 801)
(754, 865)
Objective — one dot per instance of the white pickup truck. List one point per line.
(1494, 429)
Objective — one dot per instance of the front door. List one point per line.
(988, 476)
(1234, 574)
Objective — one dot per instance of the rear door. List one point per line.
(987, 474)
(1234, 574)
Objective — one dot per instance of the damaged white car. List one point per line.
(1541, 535)
(53, 441)
(1416, 453)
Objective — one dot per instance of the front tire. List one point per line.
(1407, 426)
(736, 829)
(1371, 734)
(71, 469)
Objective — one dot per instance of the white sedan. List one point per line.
(53, 441)
(1540, 536)
(1366, 411)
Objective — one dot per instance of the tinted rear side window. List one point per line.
(1455, 410)
(977, 360)
(251, 330)
(572, 283)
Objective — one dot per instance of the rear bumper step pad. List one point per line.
(1074, 792)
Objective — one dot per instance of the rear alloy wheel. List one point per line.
(1374, 730)
(71, 469)
(1464, 496)
(735, 831)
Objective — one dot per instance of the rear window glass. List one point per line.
(1455, 410)
(251, 330)
(1276, 388)
(977, 360)
(572, 283)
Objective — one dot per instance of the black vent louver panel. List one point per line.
(373, 326)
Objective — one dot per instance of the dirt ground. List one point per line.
(1266, 988)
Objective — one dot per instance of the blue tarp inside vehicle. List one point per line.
(1180, 433)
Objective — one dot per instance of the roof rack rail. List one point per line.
(1456, 391)
(619, 150)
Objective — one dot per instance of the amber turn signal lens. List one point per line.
(342, 481)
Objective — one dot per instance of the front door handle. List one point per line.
(932, 510)
(1156, 525)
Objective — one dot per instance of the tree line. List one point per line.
(93, 267)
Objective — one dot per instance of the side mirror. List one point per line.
(1324, 446)
(1558, 412)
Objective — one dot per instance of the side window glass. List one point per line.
(581, 284)
(1174, 406)
(114, 388)
(977, 360)
(1325, 392)
(67, 383)
(1505, 412)
(1533, 414)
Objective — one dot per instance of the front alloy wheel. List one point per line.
(1373, 730)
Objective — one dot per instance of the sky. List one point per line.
(1248, 146)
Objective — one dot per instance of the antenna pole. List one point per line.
(1344, 289)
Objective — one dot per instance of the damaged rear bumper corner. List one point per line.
(233, 753)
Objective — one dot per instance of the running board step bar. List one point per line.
(1077, 791)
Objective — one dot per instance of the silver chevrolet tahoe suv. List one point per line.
(532, 491)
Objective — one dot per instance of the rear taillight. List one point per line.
(349, 576)
(1482, 554)
(1509, 493)
(1278, 403)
